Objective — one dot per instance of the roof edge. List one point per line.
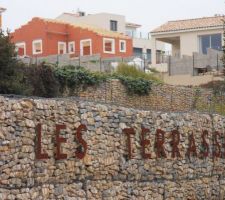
(187, 30)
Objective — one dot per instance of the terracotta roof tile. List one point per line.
(190, 24)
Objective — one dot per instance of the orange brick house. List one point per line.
(44, 37)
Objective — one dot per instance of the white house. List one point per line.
(189, 36)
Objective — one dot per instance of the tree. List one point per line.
(12, 78)
(42, 80)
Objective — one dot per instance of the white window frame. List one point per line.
(113, 45)
(81, 46)
(22, 44)
(33, 43)
(64, 49)
(125, 46)
(71, 43)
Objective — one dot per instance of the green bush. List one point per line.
(137, 86)
(76, 78)
(136, 81)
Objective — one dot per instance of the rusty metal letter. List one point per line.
(174, 143)
(216, 146)
(79, 153)
(144, 143)
(59, 140)
(39, 155)
(191, 146)
(159, 144)
(205, 145)
(129, 132)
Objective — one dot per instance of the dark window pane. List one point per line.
(113, 25)
(216, 41)
(205, 43)
(137, 52)
(149, 52)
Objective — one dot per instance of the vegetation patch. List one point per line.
(135, 80)
(76, 78)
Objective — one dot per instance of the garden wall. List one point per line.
(43, 152)
(161, 97)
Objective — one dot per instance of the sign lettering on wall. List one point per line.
(159, 142)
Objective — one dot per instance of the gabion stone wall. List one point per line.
(161, 97)
(70, 149)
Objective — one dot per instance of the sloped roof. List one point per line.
(190, 24)
(97, 30)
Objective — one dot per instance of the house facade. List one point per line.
(1, 11)
(142, 45)
(44, 37)
(190, 36)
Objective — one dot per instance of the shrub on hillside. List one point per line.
(12, 78)
(42, 80)
(136, 81)
(76, 78)
(137, 86)
(131, 71)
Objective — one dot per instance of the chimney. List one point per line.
(1, 11)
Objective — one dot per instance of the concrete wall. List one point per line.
(189, 65)
(106, 171)
(176, 49)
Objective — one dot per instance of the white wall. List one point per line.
(189, 40)
(147, 44)
(101, 20)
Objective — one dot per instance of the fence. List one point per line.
(93, 62)
(194, 65)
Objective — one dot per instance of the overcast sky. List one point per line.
(149, 13)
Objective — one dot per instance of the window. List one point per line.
(210, 41)
(61, 48)
(131, 33)
(113, 25)
(21, 48)
(109, 45)
(137, 52)
(71, 47)
(123, 47)
(37, 46)
(86, 47)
